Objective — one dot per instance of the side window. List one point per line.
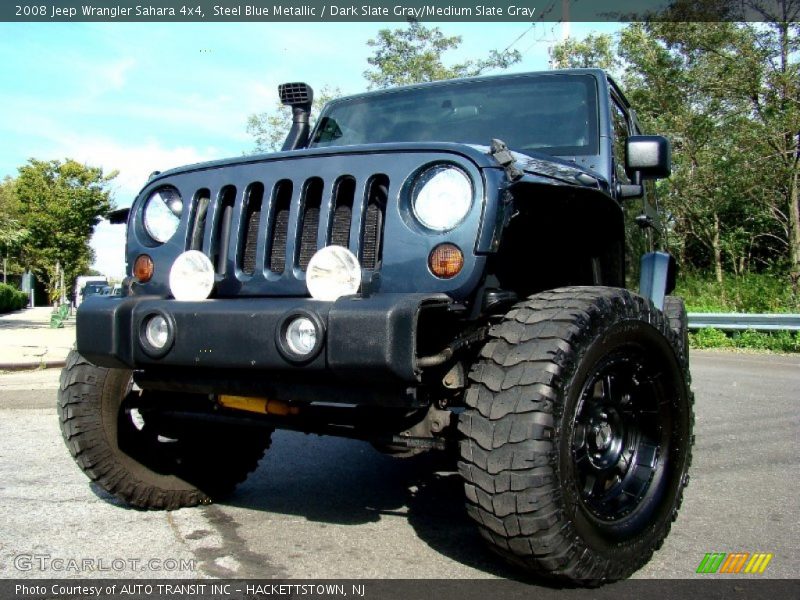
(621, 132)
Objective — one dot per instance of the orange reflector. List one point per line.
(446, 261)
(257, 405)
(143, 268)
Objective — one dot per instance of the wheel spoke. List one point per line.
(579, 437)
(589, 485)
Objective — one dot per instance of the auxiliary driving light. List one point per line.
(191, 276)
(333, 272)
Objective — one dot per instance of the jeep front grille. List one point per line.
(253, 202)
(326, 215)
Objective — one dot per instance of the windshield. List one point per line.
(554, 114)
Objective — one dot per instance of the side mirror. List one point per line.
(118, 216)
(648, 155)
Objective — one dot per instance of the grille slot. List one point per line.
(202, 198)
(279, 232)
(219, 252)
(345, 191)
(254, 198)
(309, 225)
(372, 235)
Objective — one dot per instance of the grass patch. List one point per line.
(771, 341)
(751, 293)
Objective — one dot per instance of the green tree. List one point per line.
(270, 128)
(12, 233)
(598, 51)
(726, 93)
(415, 54)
(61, 203)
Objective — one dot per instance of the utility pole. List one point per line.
(63, 290)
(58, 272)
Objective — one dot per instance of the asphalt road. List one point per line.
(330, 508)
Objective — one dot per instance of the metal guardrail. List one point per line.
(742, 321)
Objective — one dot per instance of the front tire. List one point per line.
(144, 460)
(578, 434)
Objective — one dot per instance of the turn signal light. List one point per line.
(446, 261)
(143, 268)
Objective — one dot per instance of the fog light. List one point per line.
(156, 332)
(301, 336)
(446, 261)
(143, 268)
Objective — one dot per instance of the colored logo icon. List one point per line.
(735, 562)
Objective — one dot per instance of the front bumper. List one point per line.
(371, 338)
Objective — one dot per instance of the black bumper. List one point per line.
(362, 338)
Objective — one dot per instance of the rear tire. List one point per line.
(145, 461)
(578, 434)
(675, 310)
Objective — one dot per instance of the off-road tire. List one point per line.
(675, 310)
(203, 465)
(525, 447)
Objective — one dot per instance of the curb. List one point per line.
(32, 366)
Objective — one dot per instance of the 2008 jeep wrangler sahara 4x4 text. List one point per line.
(400, 275)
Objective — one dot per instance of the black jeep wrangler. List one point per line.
(431, 267)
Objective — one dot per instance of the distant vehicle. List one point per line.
(85, 281)
(95, 289)
(108, 291)
(90, 289)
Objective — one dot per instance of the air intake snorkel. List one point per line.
(299, 96)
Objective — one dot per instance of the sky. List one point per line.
(140, 97)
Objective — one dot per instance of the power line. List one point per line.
(519, 37)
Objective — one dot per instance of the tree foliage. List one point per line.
(12, 233)
(415, 54)
(728, 96)
(596, 51)
(60, 204)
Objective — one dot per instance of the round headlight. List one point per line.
(332, 272)
(441, 198)
(301, 336)
(191, 276)
(156, 332)
(162, 213)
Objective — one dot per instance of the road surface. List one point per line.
(331, 508)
